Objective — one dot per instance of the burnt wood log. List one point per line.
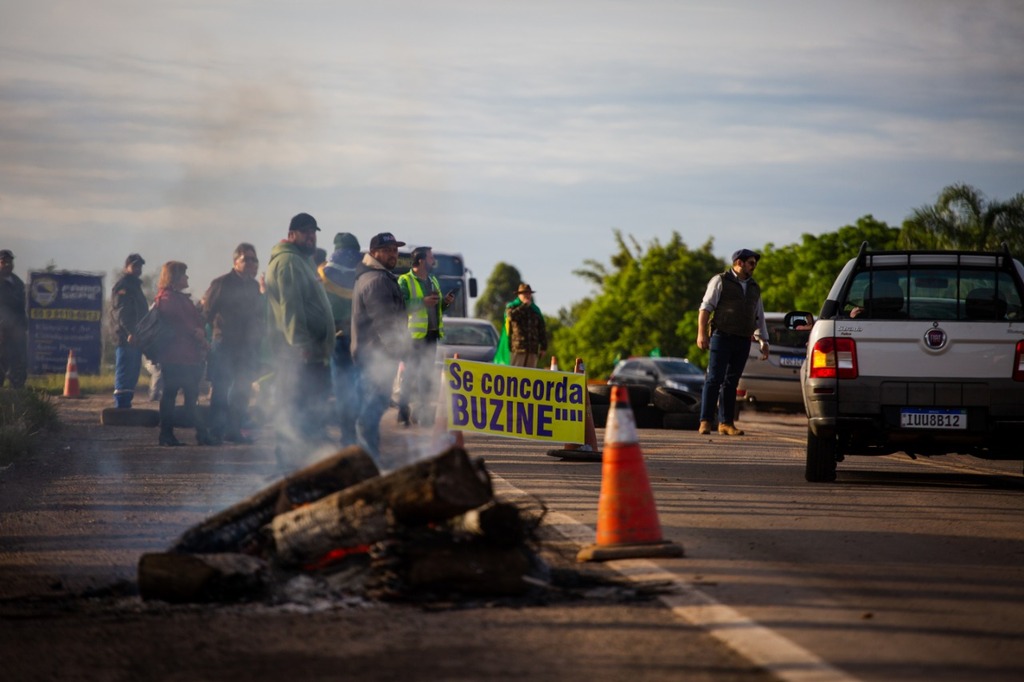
(429, 491)
(473, 568)
(497, 523)
(236, 529)
(202, 578)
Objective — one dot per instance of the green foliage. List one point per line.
(642, 304)
(53, 384)
(23, 414)
(500, 289)
(798, 276)
(962, 218)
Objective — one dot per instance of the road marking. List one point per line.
(756, 643)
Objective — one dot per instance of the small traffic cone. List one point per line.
(627, 520)
(71, 377)
(443, 438)
(554, 364)
(587, 451)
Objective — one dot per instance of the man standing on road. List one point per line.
(302, 339)
(128, 306)
(424, 306)
(13, 324)
(525, 328)
(235, 312)
(338, 275)
(729, 314)
(379, 335)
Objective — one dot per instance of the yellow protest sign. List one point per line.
(515, 401)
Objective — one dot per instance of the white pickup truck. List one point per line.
(920, 352)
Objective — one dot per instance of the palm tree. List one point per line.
(963, 219)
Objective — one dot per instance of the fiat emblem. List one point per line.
(935, 338)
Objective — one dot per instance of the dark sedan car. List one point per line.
(672, 384)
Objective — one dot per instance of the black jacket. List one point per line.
(127, 306)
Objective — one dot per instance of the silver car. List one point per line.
(775, 382)
(470, 337)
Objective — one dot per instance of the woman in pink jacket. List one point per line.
(181, 360)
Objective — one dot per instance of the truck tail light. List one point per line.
(833, 358)
(1018, 362)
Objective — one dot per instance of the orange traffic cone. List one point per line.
(554, 364)
(587, 451)
(443, 438)
(71, 377)
(627, 520)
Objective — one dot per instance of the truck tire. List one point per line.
(821, 458)
(600, 414)
(680, 421)
(133, 416)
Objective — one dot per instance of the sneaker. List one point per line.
(705, 428)
(729, 430)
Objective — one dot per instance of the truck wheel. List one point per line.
(600, 414)
(599, 394)
(670, 401)
(821, 458)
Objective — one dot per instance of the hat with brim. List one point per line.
(524, 289)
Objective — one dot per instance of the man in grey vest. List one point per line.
(730, 314)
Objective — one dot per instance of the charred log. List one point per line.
(430, 491)
(236, 529)
(202, 578)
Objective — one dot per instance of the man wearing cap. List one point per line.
(424, 307)
(525, 328)
(730, 314)
(338, 275)
(13, 324)
(128, 305)
(235, 310)
(302, 339)
(379, 335)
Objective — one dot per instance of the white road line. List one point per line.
(759, 645)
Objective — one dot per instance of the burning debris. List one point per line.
(432, 527)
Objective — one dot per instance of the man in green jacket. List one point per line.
(302, 339)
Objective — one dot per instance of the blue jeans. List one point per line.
(127, 365)
(344, 379)
(375, 382)
(725, 365)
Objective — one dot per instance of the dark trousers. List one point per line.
(418, 385)
(13, 356)
(301, 390)
(231, 372)
(184, 378)
(725, 365)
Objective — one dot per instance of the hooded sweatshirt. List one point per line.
(300, 314)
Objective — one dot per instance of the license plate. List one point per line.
(791, 360)
(911, 418)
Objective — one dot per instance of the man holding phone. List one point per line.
(425, 307)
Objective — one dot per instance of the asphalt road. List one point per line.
(901, 570)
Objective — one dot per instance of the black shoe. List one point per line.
(169, 440)
(203, 438)
(239, 438)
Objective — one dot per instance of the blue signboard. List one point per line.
(65, 313)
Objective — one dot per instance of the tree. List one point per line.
(500, 289)
(962, 218)
(643, 303)
(798, 276)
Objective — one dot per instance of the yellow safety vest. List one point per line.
(418, 322)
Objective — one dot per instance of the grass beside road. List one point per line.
(23, 413)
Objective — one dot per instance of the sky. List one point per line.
(523, 133)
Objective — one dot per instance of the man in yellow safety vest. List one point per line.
(425, 306)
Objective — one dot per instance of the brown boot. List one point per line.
(704, 428)
(729, 430)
